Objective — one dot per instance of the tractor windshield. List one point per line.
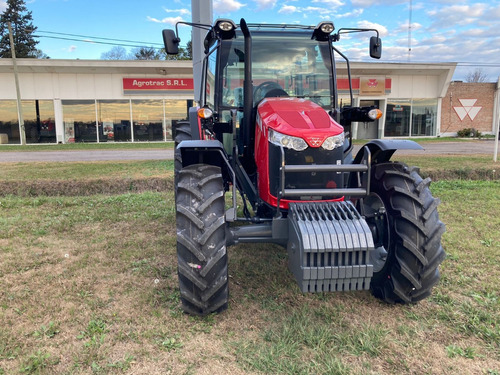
(283, 64)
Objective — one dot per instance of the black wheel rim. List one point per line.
(376, 216)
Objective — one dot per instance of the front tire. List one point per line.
(409, 231)
(201, 240)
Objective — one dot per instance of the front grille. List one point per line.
(304, 180)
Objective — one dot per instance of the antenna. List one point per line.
(409, 30)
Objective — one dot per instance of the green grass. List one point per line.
(157, 145)
(421, 140)
(85, 170)
(89, 285)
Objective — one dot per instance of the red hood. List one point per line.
(297, 117)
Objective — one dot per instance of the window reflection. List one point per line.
(175, 110)
(79, 121)
(152, 120)
(114, 120)
(9, 124)
(424, 117)
(397, 121)
(411, 117)
(148, 120)
(39, 121)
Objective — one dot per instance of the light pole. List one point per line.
(202, 11)
(18, 92)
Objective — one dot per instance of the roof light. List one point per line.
(327, 28)
(323, 30)
(226, 25)
(224, 29)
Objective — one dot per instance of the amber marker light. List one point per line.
(205, 113)
(375, 114)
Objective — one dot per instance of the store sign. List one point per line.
(372, 85)
(156, 85)
(366, 85)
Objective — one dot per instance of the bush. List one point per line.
(469, 132)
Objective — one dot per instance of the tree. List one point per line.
(115, 53)
(146, 53)
(476, 76)
(184, 53)
(22, 30)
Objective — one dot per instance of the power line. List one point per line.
(97, 37)
(459, 63)
(111, 42)
(90, 41)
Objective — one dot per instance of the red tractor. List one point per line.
(270, 131)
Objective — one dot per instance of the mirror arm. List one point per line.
(199, 25)
(349, 30)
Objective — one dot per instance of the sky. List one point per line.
(439, 31)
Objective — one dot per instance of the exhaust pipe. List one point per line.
(247, 85)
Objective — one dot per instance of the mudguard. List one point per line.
(194, 121)
(382, 149)
(204, 152)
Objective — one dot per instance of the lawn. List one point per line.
(89, 285)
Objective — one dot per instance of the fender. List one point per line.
(212, 152)
(206, 152)
(382, 149)
(195, 123)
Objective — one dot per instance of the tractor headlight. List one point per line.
(333, 142)
(287, 141)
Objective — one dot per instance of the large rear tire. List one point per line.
(408, 233)
(201, 240)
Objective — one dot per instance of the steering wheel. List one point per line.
(268, 89)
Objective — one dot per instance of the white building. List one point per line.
(110, 101)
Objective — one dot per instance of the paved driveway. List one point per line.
(94, 155)
(431, 148)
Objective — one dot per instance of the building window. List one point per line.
(39, 121)
(114, 120)
(175, 110)
(411, 118)
(79, 118)
(397, 120)
(9, 123)
(148, 120)
(424, 117)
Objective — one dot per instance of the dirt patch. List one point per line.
(88, 187)
(111, 186)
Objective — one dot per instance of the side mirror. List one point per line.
(171, 42)
(375, 47)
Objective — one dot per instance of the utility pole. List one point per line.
(18, 92)
(496, 119)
